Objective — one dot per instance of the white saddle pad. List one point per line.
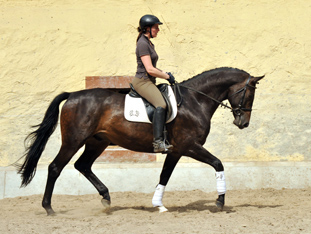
(135, 110)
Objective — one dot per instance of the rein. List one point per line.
(215, 100)
(237, 111)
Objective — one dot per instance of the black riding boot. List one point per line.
(159, 144)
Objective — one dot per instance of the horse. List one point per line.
(94, 118)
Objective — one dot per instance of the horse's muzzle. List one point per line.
(241, 122)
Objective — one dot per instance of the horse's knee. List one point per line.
(217, 164)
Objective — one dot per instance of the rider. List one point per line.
(145, 78)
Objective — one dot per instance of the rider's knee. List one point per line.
(162, 106)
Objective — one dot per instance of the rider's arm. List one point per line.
(151, 69)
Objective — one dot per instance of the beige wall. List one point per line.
(47, 47)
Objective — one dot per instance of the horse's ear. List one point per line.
(257, 79)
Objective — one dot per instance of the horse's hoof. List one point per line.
(50, 212)
(162, 209)
(219, 205)
(106, 204)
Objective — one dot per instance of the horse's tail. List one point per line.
(38, 139)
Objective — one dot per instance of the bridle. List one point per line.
(237, 111)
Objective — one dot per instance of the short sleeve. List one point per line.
(142, 49)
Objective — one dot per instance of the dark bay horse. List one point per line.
(95, 118)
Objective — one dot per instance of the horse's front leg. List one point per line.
(201, 154)
(221, 189)
(169, 164)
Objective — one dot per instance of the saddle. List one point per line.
(138, 109)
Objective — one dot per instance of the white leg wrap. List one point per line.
(158, 195)
(220, 182)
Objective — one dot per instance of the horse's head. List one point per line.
(241, 97)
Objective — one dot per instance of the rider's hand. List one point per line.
(171, 79)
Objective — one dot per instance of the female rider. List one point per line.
(144, 81)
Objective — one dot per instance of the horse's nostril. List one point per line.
(246, 125)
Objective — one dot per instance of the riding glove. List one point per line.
(171, 79)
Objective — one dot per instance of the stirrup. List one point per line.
(159, 146)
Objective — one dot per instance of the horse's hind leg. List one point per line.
(93, 149)
(55, 168)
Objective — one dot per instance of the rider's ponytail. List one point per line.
(140, 32)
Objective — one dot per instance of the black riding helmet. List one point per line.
(147, 21)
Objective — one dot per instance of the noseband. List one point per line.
(237, 111)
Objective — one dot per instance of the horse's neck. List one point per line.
(215, 88)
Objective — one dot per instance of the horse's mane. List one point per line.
(214, 71)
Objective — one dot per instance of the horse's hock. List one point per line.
(115, 153)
